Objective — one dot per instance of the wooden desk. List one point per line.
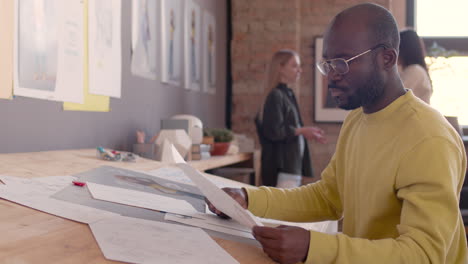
(30, 236)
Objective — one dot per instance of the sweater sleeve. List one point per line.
(428, 182)
(310, 203)
(275, 125)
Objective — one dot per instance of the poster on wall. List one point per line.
(145, 14)
(171, 44)
(192, 41)
(209, 48)
(48, 50)
(104, 43)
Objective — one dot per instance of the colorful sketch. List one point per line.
(131, 180)
(192, 45)
(144, 21)
(209, 44)
(171, 41)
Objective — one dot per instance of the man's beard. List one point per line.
(366, 94)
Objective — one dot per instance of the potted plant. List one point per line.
(222, 140)
(207, 138)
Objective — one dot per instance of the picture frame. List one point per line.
(325, 109)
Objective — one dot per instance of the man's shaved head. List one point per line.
(382, 27)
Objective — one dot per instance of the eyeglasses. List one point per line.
(340, 65)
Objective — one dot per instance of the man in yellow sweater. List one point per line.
(397, 172)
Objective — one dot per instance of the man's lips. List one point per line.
(335, 91)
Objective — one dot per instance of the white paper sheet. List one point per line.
(213, 222)
(329, 227)
(228, 226)
(32, 195)
(48, 50)
(105, 48)
(221, 200)
(46, 185)
(140, 199)
(142, 241)
(177, 175)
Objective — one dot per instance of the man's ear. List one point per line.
(390, 58)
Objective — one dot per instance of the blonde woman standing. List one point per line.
(285, 152)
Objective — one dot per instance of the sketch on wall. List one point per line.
(171, 41)
(209, 48)
(48, 50)
(37, 44)
(104, 37)
(192, 40)
(145, 14)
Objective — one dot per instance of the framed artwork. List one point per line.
(192, 45)
(171, 29)
(145, 18)
(326, 109)
(209, 49)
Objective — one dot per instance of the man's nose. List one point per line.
(333, 76)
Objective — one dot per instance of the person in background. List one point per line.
(285, 152)
(412, 67)
(395, 177)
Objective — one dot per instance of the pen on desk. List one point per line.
(78, 183)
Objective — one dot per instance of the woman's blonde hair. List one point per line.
(279, 59)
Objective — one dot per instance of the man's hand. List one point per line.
(240, 195)
(284, 244)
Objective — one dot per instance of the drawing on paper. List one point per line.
(192, 45)
(144, 38)
(37, 44)
(209, 38)
(105, 51)
(103, 33)
(171, 41)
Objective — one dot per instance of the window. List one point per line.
(442, 25)
(435, 18)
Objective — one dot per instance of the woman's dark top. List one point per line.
(282, 150)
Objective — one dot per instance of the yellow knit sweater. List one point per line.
(395, 178)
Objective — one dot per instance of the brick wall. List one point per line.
(260, 28)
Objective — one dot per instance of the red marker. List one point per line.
(77, 183)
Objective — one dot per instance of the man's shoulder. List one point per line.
(427, 122)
